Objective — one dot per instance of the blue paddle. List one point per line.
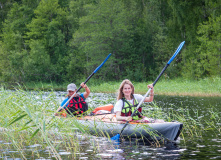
(117, 137)
(86, 80)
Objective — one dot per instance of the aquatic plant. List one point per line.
(26, 120)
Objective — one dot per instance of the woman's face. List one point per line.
(70, 93)
(127, 90)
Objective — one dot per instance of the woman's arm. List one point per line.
(151, 96)
(121, 118)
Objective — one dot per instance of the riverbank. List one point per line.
(205, 87)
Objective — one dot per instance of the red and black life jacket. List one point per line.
(76, 106)
(129, 108)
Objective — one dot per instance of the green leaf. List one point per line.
(17, 119)
(35, 133)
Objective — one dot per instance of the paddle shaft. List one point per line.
(168, 63)
(86, 80)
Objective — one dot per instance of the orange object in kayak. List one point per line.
(108, 107)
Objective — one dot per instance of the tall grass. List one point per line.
(26, 119)
(195, 124)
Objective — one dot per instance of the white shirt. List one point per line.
(118, 106)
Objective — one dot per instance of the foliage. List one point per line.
(13, 42)
(209, 60)
(60, 41)
(47, 42)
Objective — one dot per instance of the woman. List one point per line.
(77, 104)
(128, 101)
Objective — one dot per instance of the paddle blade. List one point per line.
(116, 138)
(102, 63)
(177, 51)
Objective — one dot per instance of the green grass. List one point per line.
(203, 87)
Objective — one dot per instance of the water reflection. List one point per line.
(145, 150)
(133, 150)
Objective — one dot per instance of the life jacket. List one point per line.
(129, 108)
(76, 106)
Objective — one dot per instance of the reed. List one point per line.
(196, 125)
(26, 120)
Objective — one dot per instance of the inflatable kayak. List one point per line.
(105, 124)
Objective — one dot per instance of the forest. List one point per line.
(65, 40)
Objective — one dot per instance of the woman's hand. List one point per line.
(150, 86)
(129, 118)
(122, 118)
(152, 90)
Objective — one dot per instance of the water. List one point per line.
(208, 145)
(205, 146)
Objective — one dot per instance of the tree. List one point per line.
(13, 42)
(5, 6)
(48, 29)
(209, 51)
(103, 30)
(195, 59)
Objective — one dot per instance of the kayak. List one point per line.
(107, 125)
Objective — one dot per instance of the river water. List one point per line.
(205, 146)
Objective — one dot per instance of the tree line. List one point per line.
(59, 41)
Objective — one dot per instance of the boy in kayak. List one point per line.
(77, 104)
(127, 102)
